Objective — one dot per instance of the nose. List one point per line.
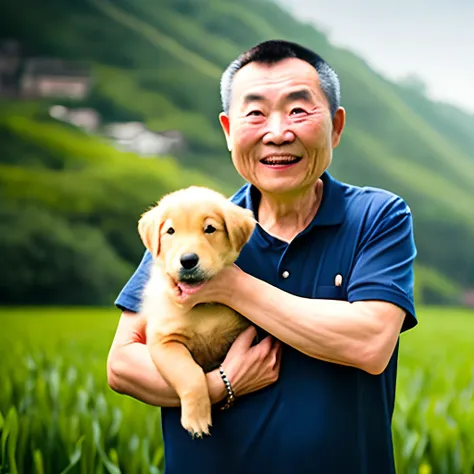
(278, 132)
(189, 260)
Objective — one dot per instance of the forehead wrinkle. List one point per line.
(283, 89)
(259, 78)
(303, 94)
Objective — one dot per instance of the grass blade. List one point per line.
(75, 456)
(38, 462)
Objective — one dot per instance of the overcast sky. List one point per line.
(433, 39)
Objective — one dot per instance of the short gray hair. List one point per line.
(273, 51)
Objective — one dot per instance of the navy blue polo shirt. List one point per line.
(319, 417)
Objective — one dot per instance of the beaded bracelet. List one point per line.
(230, 392)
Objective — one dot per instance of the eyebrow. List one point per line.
(248, 98)
(301, 94)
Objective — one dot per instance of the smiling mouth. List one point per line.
(281, 160)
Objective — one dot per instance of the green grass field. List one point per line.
(58, 415)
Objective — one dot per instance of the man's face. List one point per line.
(279, 128)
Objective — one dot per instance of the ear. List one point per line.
(225, 124)
(338, 126)
(240, 224)
(149, 227)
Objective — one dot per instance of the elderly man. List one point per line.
(327, 275)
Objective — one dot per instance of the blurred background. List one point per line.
(105, 105)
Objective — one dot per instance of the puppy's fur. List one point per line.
(191, 234)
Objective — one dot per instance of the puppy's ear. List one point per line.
(149, 227)
(240, 224)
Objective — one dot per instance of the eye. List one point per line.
(209, 229)
(254, 113)
(170, 231)
(298, 110)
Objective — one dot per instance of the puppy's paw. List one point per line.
(196, 417)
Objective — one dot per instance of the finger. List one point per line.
(276, 345)
(267, 341)
(276, 342)
(245, 338)
(274, 353)
(263, 348)
(279, 351)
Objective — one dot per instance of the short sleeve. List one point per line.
(129, 299)
(383, 267)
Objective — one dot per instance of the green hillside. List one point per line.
(68, 222)
(160, 63)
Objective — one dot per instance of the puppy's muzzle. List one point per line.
(190, 271)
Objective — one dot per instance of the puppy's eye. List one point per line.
(209, 229)
(170, 231)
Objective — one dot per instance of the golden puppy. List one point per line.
(191, 234)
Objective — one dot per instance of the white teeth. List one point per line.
(280, 162)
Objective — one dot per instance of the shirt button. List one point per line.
(285, 274)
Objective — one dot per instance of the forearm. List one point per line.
(132, 372)
(334, 331)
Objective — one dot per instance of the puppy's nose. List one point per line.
(189, 260)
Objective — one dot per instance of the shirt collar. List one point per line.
(331, 210)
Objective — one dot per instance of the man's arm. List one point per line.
(131, 371)
(360, 334)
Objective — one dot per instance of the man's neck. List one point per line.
(285, 217)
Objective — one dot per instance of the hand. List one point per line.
(215, 290)
(251, 368)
